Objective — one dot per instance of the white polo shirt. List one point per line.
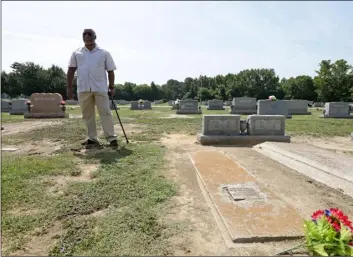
(92, 67)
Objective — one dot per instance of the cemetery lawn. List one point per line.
(60, 200)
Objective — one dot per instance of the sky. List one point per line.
(157, 41)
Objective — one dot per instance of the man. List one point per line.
(92, 63)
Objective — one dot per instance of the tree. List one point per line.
(334, 82)
(301, 87)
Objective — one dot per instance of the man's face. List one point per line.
(88, 36)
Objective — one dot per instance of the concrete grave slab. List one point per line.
(249, 210)
(268, 107)
(337, 110)
(9, 149)
(330, 168)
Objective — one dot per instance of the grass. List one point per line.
(128, 187)
(128, 184)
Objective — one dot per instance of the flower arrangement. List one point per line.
(272, 98)
(328, 233)
(141, 101)
(29, 104)
(63, 107)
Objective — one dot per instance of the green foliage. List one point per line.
(323, 240)
(334, 82)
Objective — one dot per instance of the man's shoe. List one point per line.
(113, 143)
(90, 143)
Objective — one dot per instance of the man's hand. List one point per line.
(111, 92)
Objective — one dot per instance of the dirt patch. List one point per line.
(338, 144)
(14, 128)
(57, 184)
(87, 172)
(20, 212)
(75, 116)
(176, 116)
(40, 245)
(44, 147)
(129, 128)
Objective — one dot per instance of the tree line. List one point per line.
(333, 82)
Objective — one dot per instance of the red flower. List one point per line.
(28, 102)
(62, 102)
(339, 215)
(318, 214)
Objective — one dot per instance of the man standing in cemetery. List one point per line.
(92, 63)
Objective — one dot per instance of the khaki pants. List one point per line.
(88, 101)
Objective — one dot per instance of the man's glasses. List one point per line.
(87, 33)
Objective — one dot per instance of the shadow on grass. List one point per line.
(106, 155)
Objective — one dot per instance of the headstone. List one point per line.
(215, 104)
(46, 105)
(18, 107)
(170, 102)
(221, 124)
(337, 110)
(297, 107)
(174, 105)
(240, 192)
(266, 125)
(123, 102)
(189, 107)
(243, 105)
(5, 96)
(72, 102)
(231, 130)
(111, 105)
(134, 105)
(228, 103)
(269, 107)
(146, 105)
(318, 104)
(5, 105)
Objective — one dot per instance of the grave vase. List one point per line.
(243, 126)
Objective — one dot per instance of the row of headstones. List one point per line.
(287, 108)
(14, 106)
(42, 105)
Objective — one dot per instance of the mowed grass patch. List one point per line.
(25, 204)
(132, 191)
(127, 188)
(7, 118)
(313, 125)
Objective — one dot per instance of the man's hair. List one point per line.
(93, 32)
